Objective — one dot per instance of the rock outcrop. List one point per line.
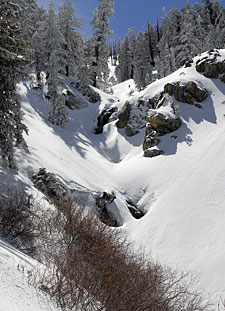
(50, 185)
(103, 119)
(211, 66)
(124, 115)
(160, 121)
(102, 202)
(135, 212)
(75, 101)
(189, 93)
(132, 117)
(88, 91)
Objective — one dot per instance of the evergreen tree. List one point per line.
(99, 51)
(189, 45)
(143, 68)
(12, 57)
(48, 44)
(115, 53)
(123, 68)
(58, 114)
(165, 62)
(218, 15)
(68, 25)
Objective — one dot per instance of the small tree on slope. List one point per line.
(11, 50)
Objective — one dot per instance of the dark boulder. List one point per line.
(50, 185)
(102, 201)
(103, 119)
(135, 212)
(75, 101)
(188, 93)
(210, 66)
(124, 115)
(88, 91)
(161, 123)
(151, 153)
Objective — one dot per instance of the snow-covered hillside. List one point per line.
(181, 192)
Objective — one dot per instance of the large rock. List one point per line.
(75, 101)
(50, 185)
(188, 93)
(210, 66)
(134, 210)
(102, 201)
(199, 94)
(124, 115)
(152, 153)
(103, 119)
(88, 91)
(161, 121)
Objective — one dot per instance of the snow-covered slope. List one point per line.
(182, 191)
(15, 292)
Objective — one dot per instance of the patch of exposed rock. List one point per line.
(104, 118)
(75, 101)
(132, 117)
(189, 93)
(102, 201)
(88, 91)
(161, 121)
(53, 188)
(124, 115)
(211, 66)
(50, 185)
(134, 210)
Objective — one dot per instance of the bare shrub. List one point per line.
(91, 267)
(18, 219)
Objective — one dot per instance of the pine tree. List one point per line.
(123, 68)
(68, 25)
(142, 68)
(58, 114)
(99, 52)
(12, 58)
(165, 62)
(189, 45)
(218, 14)
(48, 44)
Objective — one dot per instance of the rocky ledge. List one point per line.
(212, 66)
(161, 121)
(189, 93)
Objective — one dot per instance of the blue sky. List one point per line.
(128, 13)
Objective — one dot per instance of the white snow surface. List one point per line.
(15, 292)
(182, 191)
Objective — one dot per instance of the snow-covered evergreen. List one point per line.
(12, 57)
(69, 26)
(99, 49)
(48, 44)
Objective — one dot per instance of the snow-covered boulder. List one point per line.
(163, 120)
(103, 119)
(102, 202)
(75, 101)
(160, 121)
(188, 93)
(212, 65)
(88, 91)
(50, 185)
(124, 115)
